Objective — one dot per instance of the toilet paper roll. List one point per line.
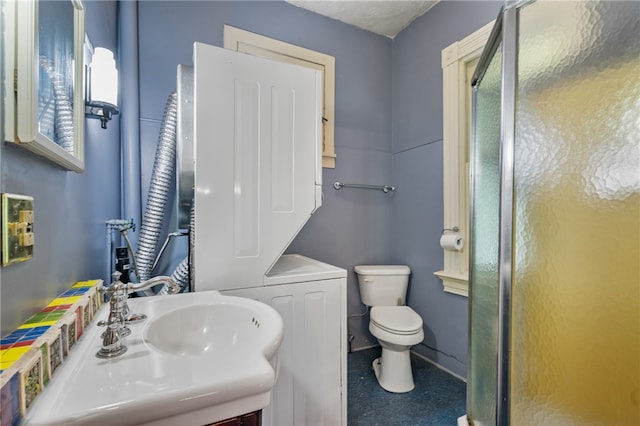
(451, 242)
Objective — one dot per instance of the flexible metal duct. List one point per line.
(47, 116)
(64, 107)
(163, 168)
(181, 273)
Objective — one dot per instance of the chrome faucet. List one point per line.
(119, 314)
(129, 318)
(173, 286)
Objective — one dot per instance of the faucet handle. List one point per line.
(117, 322)
(110, 289)
(106, 293)
(110, 321)
(112, 345)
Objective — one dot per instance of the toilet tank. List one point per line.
(383, 285)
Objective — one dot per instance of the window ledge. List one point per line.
(454, 283)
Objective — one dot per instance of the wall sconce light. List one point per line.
(102, 84)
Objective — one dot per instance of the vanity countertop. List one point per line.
(147, 385)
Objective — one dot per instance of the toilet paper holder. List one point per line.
(454, 229)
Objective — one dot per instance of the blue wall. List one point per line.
(378, 82)
(70, 208)
(388, 131)
(417, 171)
(352, 227)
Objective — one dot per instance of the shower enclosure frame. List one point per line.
(505, 31)
(554, 202)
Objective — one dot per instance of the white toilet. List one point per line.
(397, 327)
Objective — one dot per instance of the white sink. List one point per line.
(203, 329)
(198, 358)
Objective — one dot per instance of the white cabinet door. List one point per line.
(258, 142)
(311, 386)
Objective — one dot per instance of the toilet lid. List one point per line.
(396, 319)
(382, 270)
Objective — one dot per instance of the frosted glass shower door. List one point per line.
(483, 297)
(576, 272)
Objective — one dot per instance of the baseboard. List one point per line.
(446, 370)
(363, 348)
(422, 357)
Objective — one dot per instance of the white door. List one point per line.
(258, 175)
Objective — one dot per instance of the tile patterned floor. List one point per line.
(438, 399)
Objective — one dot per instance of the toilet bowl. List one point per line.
(396, 326)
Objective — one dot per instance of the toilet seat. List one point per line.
(396, 319)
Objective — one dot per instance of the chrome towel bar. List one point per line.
(384, 188)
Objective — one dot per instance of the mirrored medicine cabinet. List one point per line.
(44, 64)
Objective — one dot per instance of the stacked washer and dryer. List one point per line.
(250, 162)
(249, 156)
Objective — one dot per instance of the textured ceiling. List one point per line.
(382, 17)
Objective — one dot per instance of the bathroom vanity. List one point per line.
(251, 419)
(198, 358)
